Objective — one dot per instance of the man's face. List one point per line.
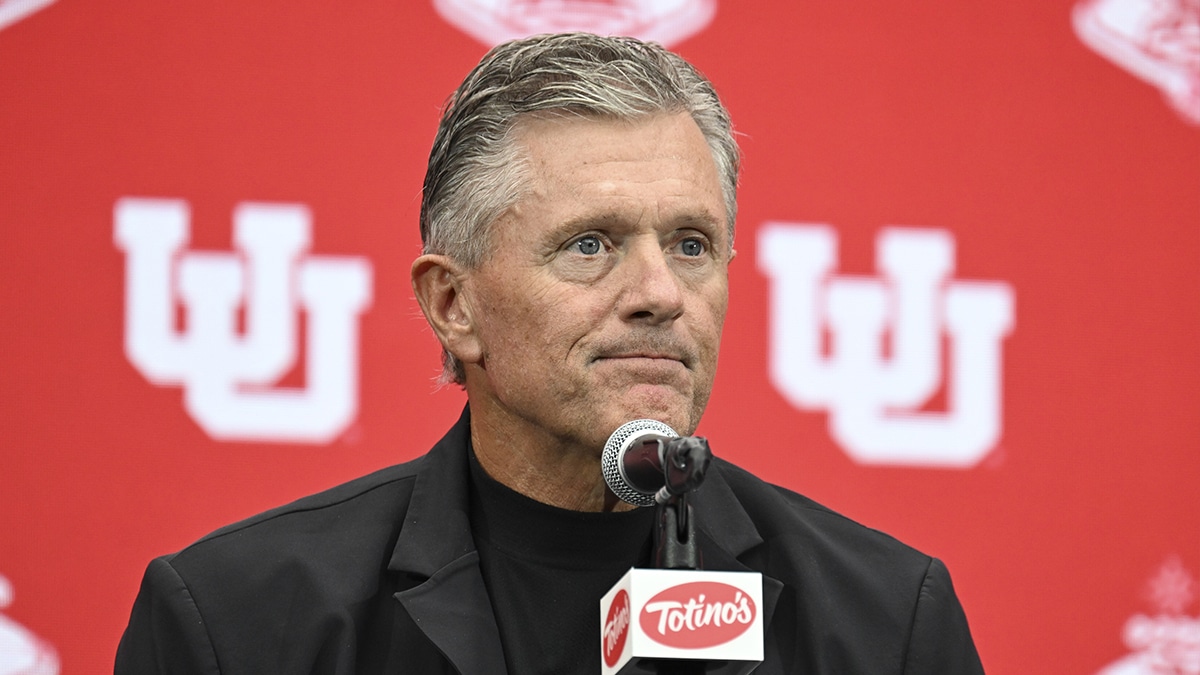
(604, 291)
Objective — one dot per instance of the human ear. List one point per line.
(437, 282)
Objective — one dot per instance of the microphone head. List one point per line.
(612, 466)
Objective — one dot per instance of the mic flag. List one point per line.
(655, 617)
(679, 619)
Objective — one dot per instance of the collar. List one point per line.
(449, 602)
(435, 549)
(726, 533)
(437, 527)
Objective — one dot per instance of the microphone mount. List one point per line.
(685, 461)
(645, 462)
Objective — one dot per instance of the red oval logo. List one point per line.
(616, 629)
(697, 615)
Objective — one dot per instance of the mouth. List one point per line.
(648, 359)
(651, 352)
(641, 355)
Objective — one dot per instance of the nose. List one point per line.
(653, 293)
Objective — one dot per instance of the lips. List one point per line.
(640, 369)
(649, 352)
(664, 357)
(647, 362)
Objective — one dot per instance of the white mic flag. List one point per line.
(653, 615)
(658, 616)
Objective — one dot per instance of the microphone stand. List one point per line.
(684, 462)
(675, 537)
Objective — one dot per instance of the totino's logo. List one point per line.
(616, 629)
(697, 615)
(874, 396)
(496, 21)
(269, 282)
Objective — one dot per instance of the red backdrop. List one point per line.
(1050, 149)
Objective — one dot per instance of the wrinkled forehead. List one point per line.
(528, 129)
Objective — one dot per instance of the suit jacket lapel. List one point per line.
(449, 603)
(725, 533)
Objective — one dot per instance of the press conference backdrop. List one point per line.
(965, 307)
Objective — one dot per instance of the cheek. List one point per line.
(528, 329)
(718, 304)
(713, 307)
(511, 331)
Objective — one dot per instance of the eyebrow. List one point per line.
(699, 220)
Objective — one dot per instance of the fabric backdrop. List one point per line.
(965, 308)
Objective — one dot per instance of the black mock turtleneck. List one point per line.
(546, 569)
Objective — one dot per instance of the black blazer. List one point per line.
(381, 575)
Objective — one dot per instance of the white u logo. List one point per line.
(211, 360)
(870, 398)
(20, 650)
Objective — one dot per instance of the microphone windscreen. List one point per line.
(613, 466)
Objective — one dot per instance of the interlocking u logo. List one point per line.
(872, 400)
(273, 279)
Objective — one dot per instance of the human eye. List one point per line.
(692, 246)
(585, 258)
(587, 245)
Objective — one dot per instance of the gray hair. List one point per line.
(476, 171)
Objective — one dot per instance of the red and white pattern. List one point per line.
(1156, 40)
(12, 11)
(22, 652)
(496, 21)
(1011, 168)
(1167, 643)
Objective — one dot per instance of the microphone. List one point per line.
(634, 449)
(675, 618)
(645, 461)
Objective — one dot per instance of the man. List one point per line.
(578, 225)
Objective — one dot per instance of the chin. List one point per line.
(675, 413)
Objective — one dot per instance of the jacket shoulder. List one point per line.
(371, 497)
(781, 514)
(293, 584)
(846, 585)
(340, 525)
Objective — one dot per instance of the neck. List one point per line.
(540, 466)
